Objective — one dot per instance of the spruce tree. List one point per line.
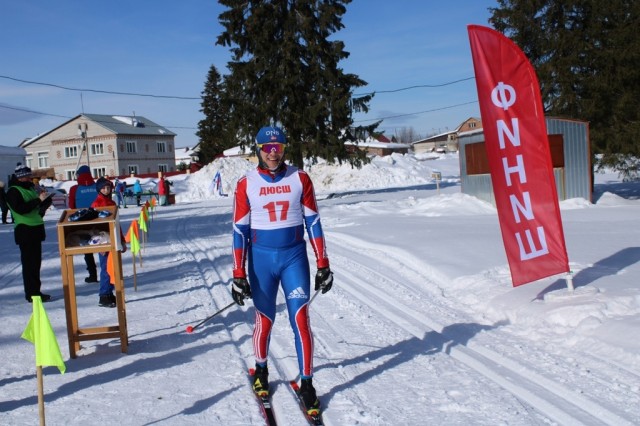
(211, 128)
(587, 57)
(285, 71)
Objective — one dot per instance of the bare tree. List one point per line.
(406, 135)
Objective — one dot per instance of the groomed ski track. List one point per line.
(435, 360)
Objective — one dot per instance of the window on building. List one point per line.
(472, 125)
(131, 147)
(43, 160)
(99, 172)
(70, 174)
(162, 147)
(71, 151)
(133, 169)
(97, 148)
(163, 168)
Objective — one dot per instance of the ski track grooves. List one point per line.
(14, 273)
(279, 363)
(552, 399)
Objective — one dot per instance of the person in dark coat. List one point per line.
(27, 209)
(3, 203)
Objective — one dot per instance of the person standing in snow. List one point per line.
(272, 205)
(27, 210)
(120, 188)
(80, 197)
(3, 203)
(162, 191)
(107, 299)
(217, 184)
(137, 190)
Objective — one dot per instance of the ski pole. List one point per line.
(314, 296)
(191, 328)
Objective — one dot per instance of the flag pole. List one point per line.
(135, 283)
(140, 252)
(40, 333)
(40, 395)
(569, 279)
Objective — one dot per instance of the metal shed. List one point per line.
(570, 156)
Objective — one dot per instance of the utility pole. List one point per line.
(82, 132)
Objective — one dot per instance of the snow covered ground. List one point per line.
(422, 325)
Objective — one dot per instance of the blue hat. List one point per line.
(270, 134)
(102, 182)
(83, 169)
(22, 171)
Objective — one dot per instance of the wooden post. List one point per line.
(40, 395)
(135, 285)
(437, 176)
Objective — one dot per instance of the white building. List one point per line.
(111, 145)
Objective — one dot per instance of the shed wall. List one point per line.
(572, 181)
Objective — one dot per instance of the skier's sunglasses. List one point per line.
(267, 148)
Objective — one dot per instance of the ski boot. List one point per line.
(309, 399)
(261, 381)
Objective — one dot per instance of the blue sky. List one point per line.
(165, 48)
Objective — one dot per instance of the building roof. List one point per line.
(118, 124)
(186, 153)
(129, 125)
(437, 137)
(471, 132)
(373, 143)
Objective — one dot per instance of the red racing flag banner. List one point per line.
(519, 158)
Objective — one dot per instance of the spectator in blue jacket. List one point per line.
(137, 190)
(80, 197)
(120, 188)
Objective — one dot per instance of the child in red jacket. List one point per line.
(107, 298)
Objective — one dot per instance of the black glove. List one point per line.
(324, 279)
(44, 205)
(240, 289)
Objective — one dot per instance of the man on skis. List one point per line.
(273, 203)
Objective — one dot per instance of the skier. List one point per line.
(272, 205)
(217, 183)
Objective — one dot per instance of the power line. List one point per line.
(192, 98)
(429, 86)
(99, 91)
(69, 118)
(419, 86)
(32, 111)
(416, 113)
